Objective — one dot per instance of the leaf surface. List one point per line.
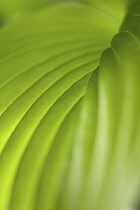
(46, 61)
(69, 108)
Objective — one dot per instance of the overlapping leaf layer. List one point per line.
(69, 106)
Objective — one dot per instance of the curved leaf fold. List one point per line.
(69, 108)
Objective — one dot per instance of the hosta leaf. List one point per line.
(69, 109)
(14, 8)
(111, 110)
(46, 61)
(116, 9)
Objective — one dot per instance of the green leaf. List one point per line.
(12, 9)
(69, 108)
(110, 125)
(46, 61)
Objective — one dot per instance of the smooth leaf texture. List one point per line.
(112, 175)
(115, 9)
(69, 108)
